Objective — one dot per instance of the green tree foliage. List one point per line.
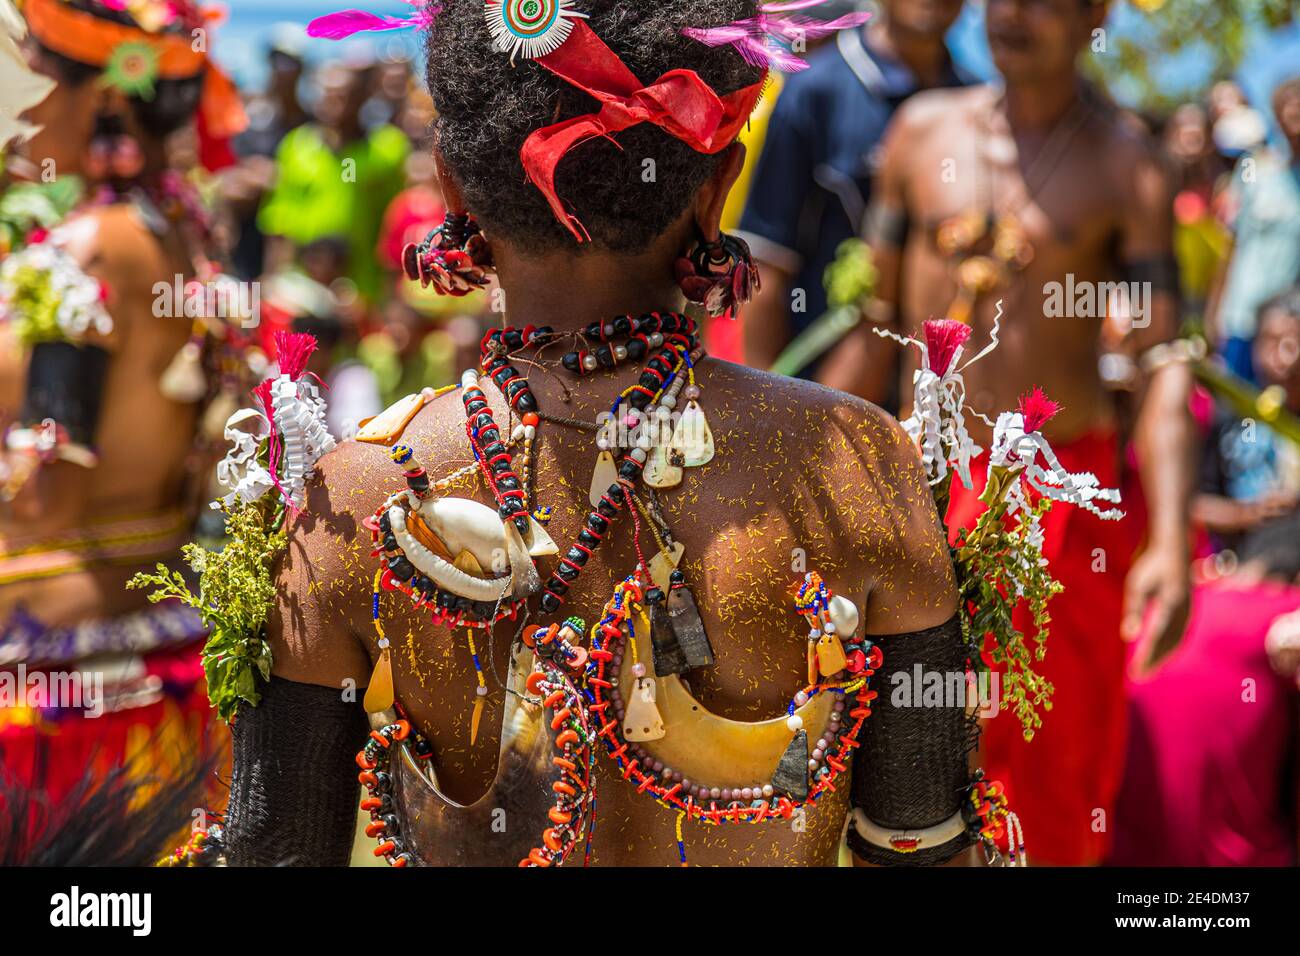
(1219, 30)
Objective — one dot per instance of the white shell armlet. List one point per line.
(908, 841)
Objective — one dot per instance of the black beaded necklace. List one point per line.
(670, 339)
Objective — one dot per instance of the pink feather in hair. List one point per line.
(788, 7)
(345, 23)
(755, 38)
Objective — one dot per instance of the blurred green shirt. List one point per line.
(320, 193)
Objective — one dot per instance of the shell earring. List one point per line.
(454, 258)
(719, 274)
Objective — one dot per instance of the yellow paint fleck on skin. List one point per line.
(838, 484)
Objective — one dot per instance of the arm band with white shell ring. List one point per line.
(294, 788)
(911, 774)
(65, 384)
(1177, 351)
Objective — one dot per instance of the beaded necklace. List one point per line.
(581, 687)
(720, 802)
(408, 546)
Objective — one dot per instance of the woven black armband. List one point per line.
(65, 383)
(886, 226)
(912, 770)
(1160, 271)
(294, 792)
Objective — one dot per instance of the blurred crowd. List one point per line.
(1204, 780)
(334, 177)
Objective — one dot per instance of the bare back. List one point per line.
(804, 478)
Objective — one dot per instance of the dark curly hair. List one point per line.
(486, 110)
(174, 102)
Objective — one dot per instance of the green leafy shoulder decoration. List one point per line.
(275, 448)
(236, 591)
(999, 562)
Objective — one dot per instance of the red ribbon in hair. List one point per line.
(679, 103)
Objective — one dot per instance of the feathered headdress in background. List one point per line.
(135, 55)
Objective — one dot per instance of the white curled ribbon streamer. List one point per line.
(299, 414)
(938, 423)
(1015, 448)
(240, 470)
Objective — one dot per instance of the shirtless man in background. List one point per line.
(813, 177)
(992, 196)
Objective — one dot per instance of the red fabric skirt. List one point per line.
(1063, 784)
(51, 750)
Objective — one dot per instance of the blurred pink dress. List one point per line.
(1210, 773)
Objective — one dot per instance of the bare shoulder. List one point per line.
(869, 464)
(349, 483)
(931, 109)
(813, 413)
(116, 246)
(1132, 156)
(115, 240)
(326, 574)
(849, 467)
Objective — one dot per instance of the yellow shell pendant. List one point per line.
(606, 474)
(379, 692)
(830, 655)
(387, 427)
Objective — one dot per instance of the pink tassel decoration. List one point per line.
(1036, 410)
(942, 339)
(755, 38)
(263, 395)
(292, 351)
